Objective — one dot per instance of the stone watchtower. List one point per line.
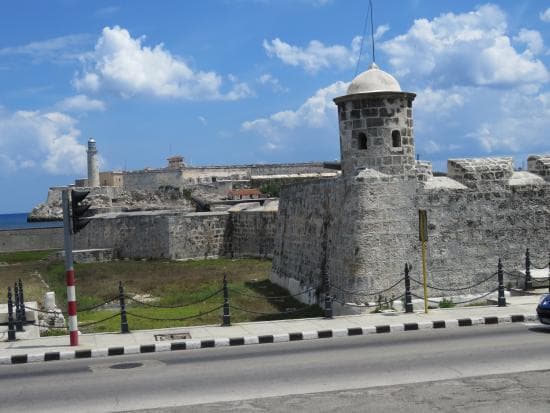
(93, 166)
(376, 125)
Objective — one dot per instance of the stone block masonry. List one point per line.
(182, 235)
(252, 233)
(364, 228)
(12, 240)
(540, 165)
(376, 130)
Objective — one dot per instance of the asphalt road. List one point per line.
(233, 374)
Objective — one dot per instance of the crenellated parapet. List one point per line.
(481, 173)
(540, 165)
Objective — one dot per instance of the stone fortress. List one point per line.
(362, 227)
(182, 211)
(356, 220)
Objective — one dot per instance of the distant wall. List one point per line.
(151, 180)
(176, 235)
(252, 233)
(197, 235)
(31, 239)
(129, 235)
(288, 169)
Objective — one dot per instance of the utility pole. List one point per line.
(73, 222)
(69, 268)
(423, 232)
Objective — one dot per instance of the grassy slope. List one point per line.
(25, 265)
(176, 283)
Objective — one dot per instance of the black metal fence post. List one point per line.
(123, 320)
(408, 295)
(528, 279)
(328, 298)
(18, 321)
(22, 302)
(226, 315)
(501, 297)
(11, 324)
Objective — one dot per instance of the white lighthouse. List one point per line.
(93, 166)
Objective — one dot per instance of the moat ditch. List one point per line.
(160, 293)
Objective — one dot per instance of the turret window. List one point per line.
(396, 139)
(362, 140)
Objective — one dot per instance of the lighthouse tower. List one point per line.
(376, 125)
(93, 166)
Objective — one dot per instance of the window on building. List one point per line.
(396, 139)
(362, 138)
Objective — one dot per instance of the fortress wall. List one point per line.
(372, 231)
(288, 169)
(12, 240)
(304, 231)
(129, 235)
(481, 173)
(151, 180)
(252, 233)
(540, 165)
(378, 231)
(197, 235)
(181, 236)
(469, 231)
(197, 175)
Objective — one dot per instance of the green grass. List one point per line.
(172, 283)
(446, 303)
(24, 256)
(176, 284)
(25, 266)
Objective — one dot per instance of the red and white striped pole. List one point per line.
(69, 269)
(71, 302)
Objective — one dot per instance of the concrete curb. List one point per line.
(191, 344)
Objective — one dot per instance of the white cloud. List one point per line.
(439, 102)
(522, 124)
(202, 120)
(121, 64)
(464, 49)
(532, 39)
(318, 111)
(268, 79)
(60, 48)
(34, 139)
(81, 103)
(545, 15)
(380, 31)
(315, 56)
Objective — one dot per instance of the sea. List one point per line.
(19, 221)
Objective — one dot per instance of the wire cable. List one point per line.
(175, 306)
(367, 293)
(454, 289)
(174, 319)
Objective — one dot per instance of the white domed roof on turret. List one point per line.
(373, 80)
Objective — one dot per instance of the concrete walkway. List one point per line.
(25, 349)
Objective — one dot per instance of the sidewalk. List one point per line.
(518, 309)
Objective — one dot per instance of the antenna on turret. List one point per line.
(372, 30)
(369, 12)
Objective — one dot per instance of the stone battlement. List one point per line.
(540, 165)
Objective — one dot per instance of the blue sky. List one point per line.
(245, 81)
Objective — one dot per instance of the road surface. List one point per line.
(306, 368)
